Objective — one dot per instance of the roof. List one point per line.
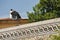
(7, 22)
(8, 19)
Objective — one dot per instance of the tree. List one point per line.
(34, 17)
(45, 9)
(50, 15)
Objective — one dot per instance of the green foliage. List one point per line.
(50, 15)
(34, 17)
(45, 9)
(30, 16)
(54, 37)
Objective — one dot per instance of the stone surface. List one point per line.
(32, 31)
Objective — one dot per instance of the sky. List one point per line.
(21, 6)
